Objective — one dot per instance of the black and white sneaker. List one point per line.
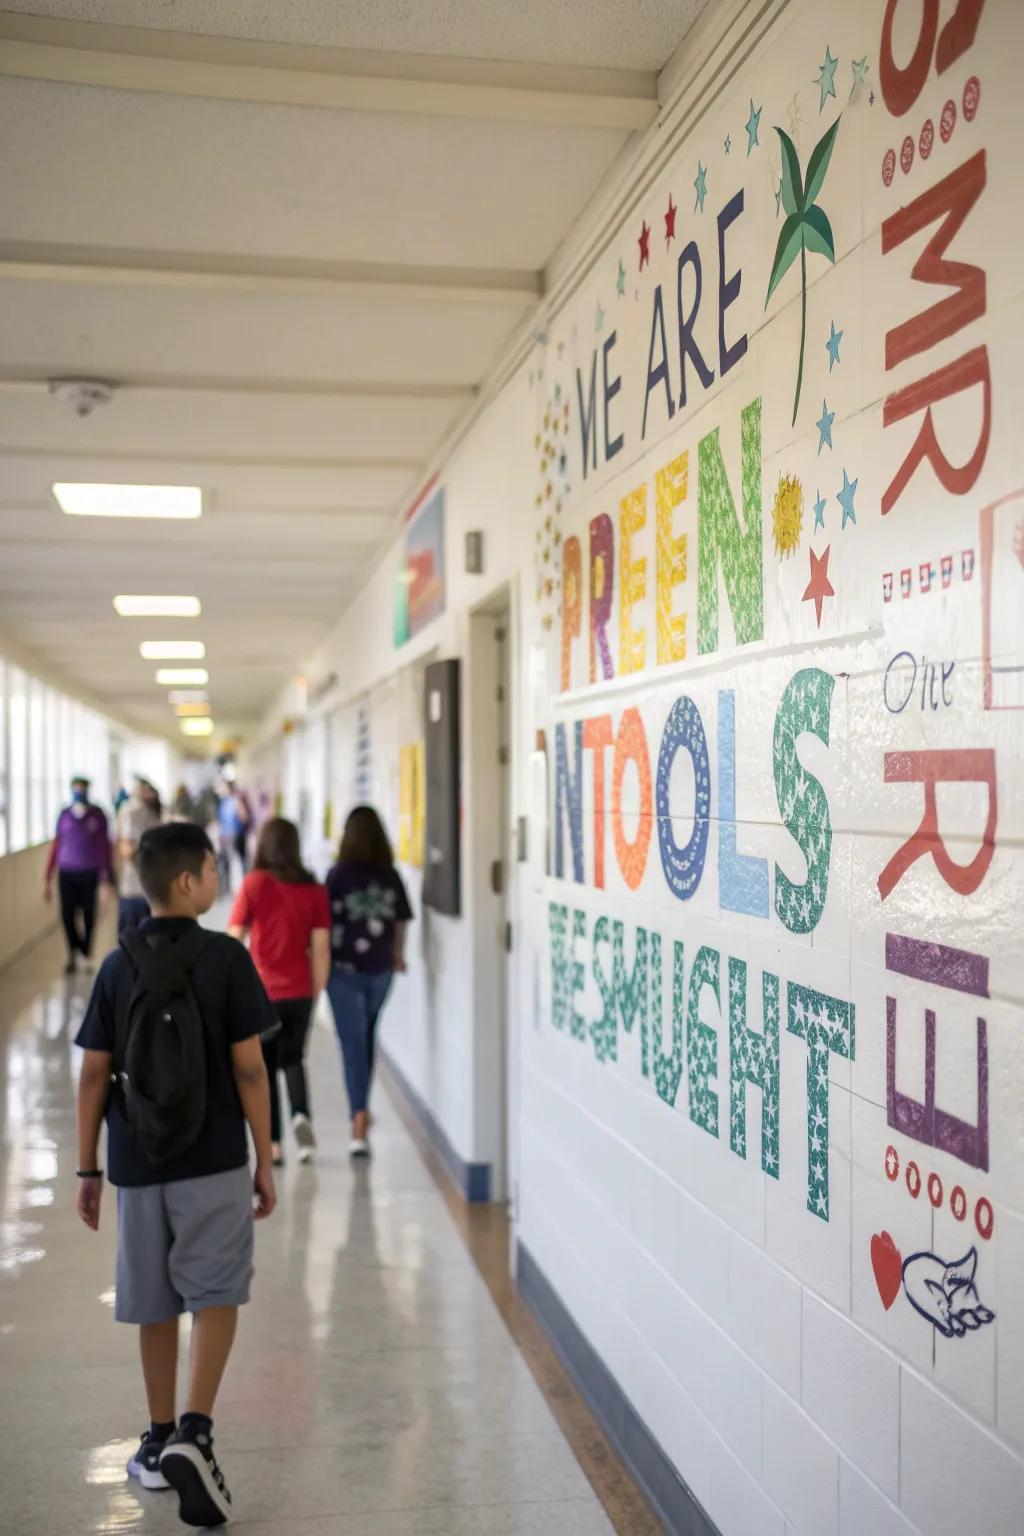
(145, 1464)
(189, 1465)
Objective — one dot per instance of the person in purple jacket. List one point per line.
(81, 855)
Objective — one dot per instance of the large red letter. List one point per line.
(964, 373)
(902, 87)
(572, 603)
(597, 734)
(602, 588)
(966, 766)
(951, 200)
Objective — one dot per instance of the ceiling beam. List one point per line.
(95, 266)
(37, 381)
(208, 460)
(228, 69)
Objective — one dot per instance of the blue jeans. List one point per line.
(356, 1002)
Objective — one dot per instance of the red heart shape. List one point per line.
(887, 1263)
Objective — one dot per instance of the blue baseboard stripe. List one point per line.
(650, 1468)
(473, 1179)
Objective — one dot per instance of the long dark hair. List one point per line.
(364, 840)
(278, 852)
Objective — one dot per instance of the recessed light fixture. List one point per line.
(142, 607)
(201, 727)
(172, 650)
(183, 710)
(81, 499)
(182, 677)
(188, 696)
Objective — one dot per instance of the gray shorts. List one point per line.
(184, 1246)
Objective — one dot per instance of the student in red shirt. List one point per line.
(286, 916)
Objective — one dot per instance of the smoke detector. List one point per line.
(82, 395)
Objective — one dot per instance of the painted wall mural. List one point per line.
(780, 578)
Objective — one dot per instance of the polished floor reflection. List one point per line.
(374, 1388)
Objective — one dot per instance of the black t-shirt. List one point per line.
(233, 1006)
(366, 903)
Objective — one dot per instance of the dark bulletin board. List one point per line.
(441, 875)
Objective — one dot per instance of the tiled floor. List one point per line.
(374, 1389)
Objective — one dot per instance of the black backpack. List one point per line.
(160, 1049)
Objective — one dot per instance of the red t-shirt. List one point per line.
(280, 917)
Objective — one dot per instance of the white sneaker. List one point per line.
(304, 1137)
(359, 1147)
(145, 1464)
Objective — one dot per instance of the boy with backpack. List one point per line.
(172, 1058)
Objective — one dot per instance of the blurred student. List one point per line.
(175, 1019)
(283, 911)
(370, 910)
(233, 820)
(81, 855)
(137, 814)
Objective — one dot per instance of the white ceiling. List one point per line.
(588, 32)
(296, 302)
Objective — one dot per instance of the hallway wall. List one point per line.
(24, 915)
(756, 493)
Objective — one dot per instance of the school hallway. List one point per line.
(374, 1386)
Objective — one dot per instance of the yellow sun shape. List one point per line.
(787, 514)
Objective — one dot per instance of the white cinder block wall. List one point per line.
(769, 1041)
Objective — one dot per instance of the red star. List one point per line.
(819, 587)
(644, 244)
(670, 221)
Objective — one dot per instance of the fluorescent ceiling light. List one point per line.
(188, 696)
(175, 677)
(134, 607)
(172, 650)
(80, 499)
(200, 727)
(192, 709)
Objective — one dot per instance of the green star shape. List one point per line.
(819, 511)
(700, 184)
(827, 78)
(620, 281)
(752, 125)
(860, 69)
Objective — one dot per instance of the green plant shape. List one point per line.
(806, 228)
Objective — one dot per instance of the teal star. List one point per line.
(700, 183)
(824, 426)
(860, 69)
(620, 281)
(599, 318)
(819, 511)
(728, 143)
(845, 499)
(827, 78)
(753, 122)
(832, 346)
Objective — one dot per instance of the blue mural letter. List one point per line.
(569, 801)
(683, 866)
(742, 877)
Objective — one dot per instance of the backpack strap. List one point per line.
(155, 965)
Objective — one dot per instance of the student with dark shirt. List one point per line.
(185, 1237)
(369, 912)
(81, 855)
